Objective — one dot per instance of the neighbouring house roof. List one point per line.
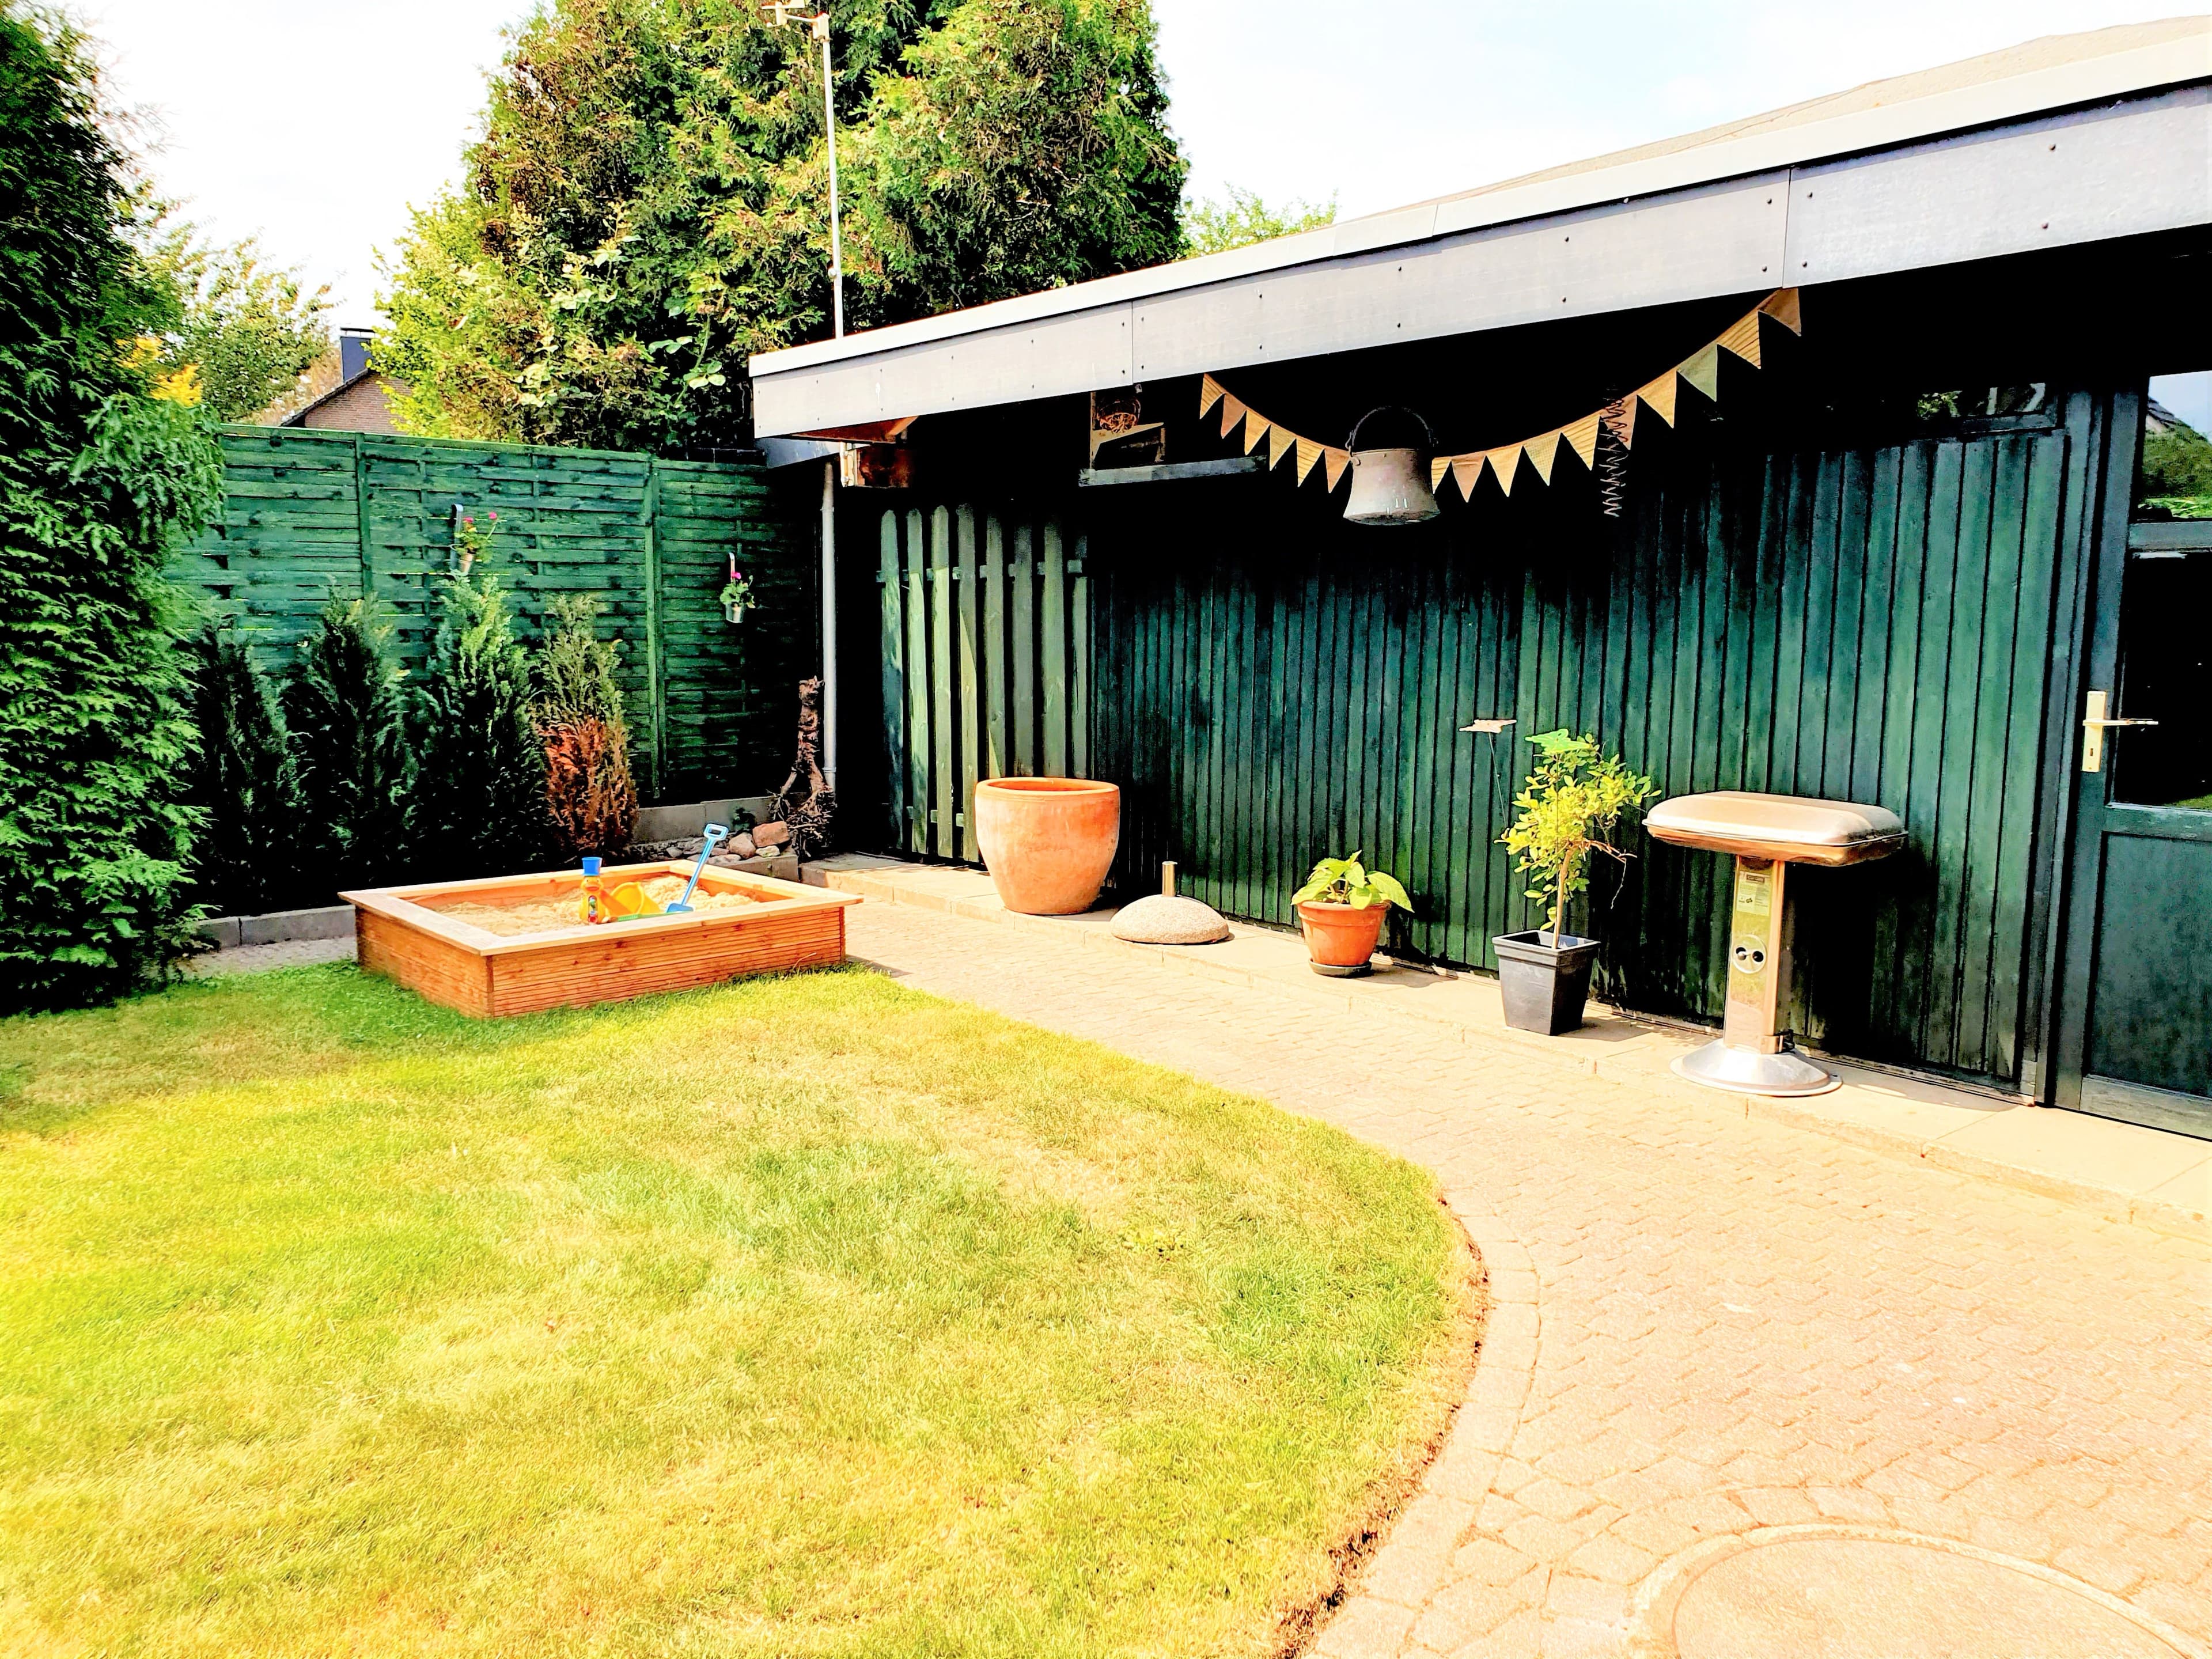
(2059, 141)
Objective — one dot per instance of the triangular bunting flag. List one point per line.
(1280, 442)
(1743, 339)
(1209, 393)
(1231, 412)
(1659, 396)
(1438, 466)
(1255, 429)
(1505, 463)
(1621, 417)
(1581, 438)
(1781, 304)
(1467, 471)
(1309, 453)
(1540, 453)
(1333, 462)
(1704, 371)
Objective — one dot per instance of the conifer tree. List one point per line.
(347, 718)
(478, 805)
(99, 478)
(245, 858)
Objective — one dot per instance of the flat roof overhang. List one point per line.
(2093, 148)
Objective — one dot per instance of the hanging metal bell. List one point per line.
(1390, 486)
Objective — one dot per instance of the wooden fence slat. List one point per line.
(892, 642)
(996, 693)
(942, 840)
(1022, 581)
(967, 669)
(917, 685)
(1079, 673)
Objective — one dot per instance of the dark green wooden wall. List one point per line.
(312, 515)
(1867, 621)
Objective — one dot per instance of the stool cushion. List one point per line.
(1789, 827)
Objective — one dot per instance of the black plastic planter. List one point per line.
(1544, 984)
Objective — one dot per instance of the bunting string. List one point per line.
(1616, 421)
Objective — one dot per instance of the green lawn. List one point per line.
(809, 1316)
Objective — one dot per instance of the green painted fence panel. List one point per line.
(310, 516)
(987, 662)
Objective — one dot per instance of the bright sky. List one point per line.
(316, 122)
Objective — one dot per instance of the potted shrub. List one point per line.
(1573, 799)
(1340, 910)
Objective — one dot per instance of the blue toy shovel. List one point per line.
(716, 833)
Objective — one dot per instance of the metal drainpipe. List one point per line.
(829, 619)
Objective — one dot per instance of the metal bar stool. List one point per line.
(1767, 833)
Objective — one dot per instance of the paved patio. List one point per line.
(1749, 1387)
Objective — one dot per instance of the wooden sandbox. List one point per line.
(403, 934)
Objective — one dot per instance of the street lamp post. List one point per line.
(817, 24)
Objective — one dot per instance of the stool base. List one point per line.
(1748, 1072)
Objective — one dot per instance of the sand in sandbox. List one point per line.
(543, 915)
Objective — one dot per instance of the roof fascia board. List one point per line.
(2016, 96)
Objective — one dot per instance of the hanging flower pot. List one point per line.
(737, 594)
(470, 538)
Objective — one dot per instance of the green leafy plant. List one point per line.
(590, 800)
(478, 806)
(99, 481)
(649, 202)
(245, 859)
(1568, 810)
(345, 710)
(252, 331)
(1240, 217)
(737, 594)
(471, 538)
(1347, 881)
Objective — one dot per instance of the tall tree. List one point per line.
(99, 479)
(250, 330)
(1239, 218)
(649, 202)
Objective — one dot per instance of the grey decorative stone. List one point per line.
(1162, 920)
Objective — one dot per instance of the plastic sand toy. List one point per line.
(630, 900)
(594, 907)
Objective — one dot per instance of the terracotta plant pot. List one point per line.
(1048, 842)
(1340, 938)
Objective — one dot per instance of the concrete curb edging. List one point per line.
(278, 927)
(1416, 1559)
(2107, 1203)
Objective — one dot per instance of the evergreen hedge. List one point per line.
(98, 480)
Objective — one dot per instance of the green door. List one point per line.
(2136, 1015)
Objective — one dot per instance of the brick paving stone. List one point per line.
(1713, 1323)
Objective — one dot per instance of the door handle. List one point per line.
(2094, 723)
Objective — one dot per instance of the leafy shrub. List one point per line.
(99, 479)
(478, 806)
(1573, 798)
(590, 800)
(1347, 881)
(347, 716)
(245, 859)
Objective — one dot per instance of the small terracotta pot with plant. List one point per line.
(1573, 799)
(1341, 910)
